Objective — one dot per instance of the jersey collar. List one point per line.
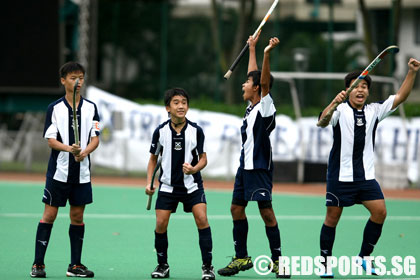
(68, 105)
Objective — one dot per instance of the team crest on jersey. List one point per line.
(178, 146)
(359, 122)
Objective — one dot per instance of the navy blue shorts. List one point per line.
(252, 185)
(343, 194)
(169, 201)
(56, 193)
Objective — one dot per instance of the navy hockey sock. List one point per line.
(240, 236)
(43, 234)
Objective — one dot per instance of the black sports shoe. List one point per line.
(38, 271)
(161, 271)
(208, 272)
(79, 270)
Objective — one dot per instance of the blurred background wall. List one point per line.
(136, 49)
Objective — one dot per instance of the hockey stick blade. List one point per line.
(149, 199)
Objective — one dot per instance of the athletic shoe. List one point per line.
(38, 271)
(235, 266)
(79, 270)
(161, 271)
(208, 272)
(327, 274)
(364, 265)
(276, 270)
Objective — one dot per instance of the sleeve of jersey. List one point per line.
(334, 118)
(96, 128)
(267, 106)
(50, 128)
(336, 115)
(200, 141)
(155, 146)
(385, 108)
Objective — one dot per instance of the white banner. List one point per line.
(127, 128)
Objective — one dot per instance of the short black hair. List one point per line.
(256, 79)
(170, 93)
(70, 67)
(353, 75)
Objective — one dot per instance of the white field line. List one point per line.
(210, 217)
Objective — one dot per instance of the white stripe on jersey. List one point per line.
(165, 141)
(249, 143)
(59, 125)
(190, 144)
(164, 145)
(344, 124)
(266, 109)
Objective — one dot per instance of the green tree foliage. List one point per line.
(131, 27)
(194, 63)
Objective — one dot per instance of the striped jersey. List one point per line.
(259, 121)
(59, 125)
(176, 149)
(352, 154)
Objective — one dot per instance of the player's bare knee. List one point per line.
(332, 219)
(161, 225)
(331, 222)
(238, 212)
(161, 228)
(49, 219)
(76, 218)
(270, 221)
(200, 216)
(379, 216)
(268, 217)
(333, 216)
(49, 215)
(202, 222)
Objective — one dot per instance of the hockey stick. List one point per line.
(75, 122)
(149, 200)
(241, 54)
(385, 52)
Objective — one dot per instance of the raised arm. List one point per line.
(407, 85)
(265, 73)
(326, 115)
(252, 62)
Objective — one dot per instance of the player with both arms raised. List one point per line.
(351, 174)
(254, 178)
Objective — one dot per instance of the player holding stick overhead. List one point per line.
(254, 178)
(68, 174)
(181, 145)
(351, 174)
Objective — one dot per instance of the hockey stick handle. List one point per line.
(149, 202)
(244, 49)
(235, 63)
(75, 122)
(149, 199)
